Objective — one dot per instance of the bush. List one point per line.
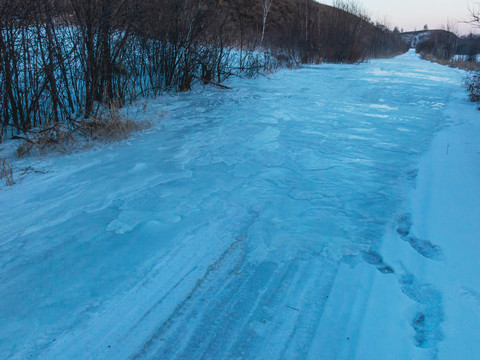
(473, 87)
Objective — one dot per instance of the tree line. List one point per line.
(62, 60)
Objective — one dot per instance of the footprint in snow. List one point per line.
(412, 177)
(429, 313)
(376, 260)
(469, 293)
(404, 225)
(423, 247)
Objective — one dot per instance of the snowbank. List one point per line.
(435, 245)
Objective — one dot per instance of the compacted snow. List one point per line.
(325, 213)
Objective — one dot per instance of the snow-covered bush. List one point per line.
(473, 86)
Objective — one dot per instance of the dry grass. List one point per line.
(6, 173)
(465, 65)
(458, 64)
(107, 126)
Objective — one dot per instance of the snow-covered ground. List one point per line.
(464, 58)
(325, 213)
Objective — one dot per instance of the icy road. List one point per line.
(300, 216)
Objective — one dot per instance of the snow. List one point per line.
(444, 210)
(328, 212)
(465, 58)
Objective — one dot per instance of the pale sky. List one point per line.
(414, 14)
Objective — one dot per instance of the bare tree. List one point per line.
(474, 16)
(266, 8)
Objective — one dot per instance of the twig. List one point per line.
(17, 137)
(212, 83)
(292, 308)
(6, 173)
(32, 169)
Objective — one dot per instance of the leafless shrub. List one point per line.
(56, 137)
(469, 46)
(472, 81)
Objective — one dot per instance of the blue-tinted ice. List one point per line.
(219, 235)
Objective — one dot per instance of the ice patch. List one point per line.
(384, 107)
(268, 138)
(139, 167)
(119, 227)
(380, 116)
(323, 170)
(309, 160)
(281, 115)
(364, 130)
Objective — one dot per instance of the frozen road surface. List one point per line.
(325, 213)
